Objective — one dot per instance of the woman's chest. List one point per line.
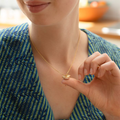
(61, 98)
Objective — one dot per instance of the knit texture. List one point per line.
(21, 93)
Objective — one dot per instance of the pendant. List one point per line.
(66, 77)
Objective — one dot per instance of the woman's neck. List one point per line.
(57, 41)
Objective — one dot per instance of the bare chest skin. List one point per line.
(61, 98)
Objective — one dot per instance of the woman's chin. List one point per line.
(44, 22)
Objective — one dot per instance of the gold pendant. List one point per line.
(66, 77)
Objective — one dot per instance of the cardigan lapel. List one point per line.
(26, 99)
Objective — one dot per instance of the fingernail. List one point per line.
(99, 75)
(63, 81)
(85, 71)
(110, 73)
(91, 71)
(79, 77)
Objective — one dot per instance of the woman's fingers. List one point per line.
(111, 67)
(98, 61)
(81, 72)
(88, 61)
(78, 85)
(84, 69)
(92, 63)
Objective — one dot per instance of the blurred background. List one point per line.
(113, 13)
(114, 9)
(107, 25)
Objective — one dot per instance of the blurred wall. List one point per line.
(8, 3)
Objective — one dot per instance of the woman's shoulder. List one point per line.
(12, 35)
(97, 43)
(12, 31)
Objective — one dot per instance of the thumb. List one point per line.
(78, 85)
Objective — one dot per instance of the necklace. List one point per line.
(66, 76)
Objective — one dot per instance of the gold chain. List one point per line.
(66, 76)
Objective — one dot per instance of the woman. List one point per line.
(52, 70)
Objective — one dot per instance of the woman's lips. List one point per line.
(37, 7)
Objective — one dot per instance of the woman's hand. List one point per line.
(104, 90)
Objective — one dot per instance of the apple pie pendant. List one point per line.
(66, 77)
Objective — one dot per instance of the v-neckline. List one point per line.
(75, 107)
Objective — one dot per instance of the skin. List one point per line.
(56, 35)
(57, 27)
(104, 90)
